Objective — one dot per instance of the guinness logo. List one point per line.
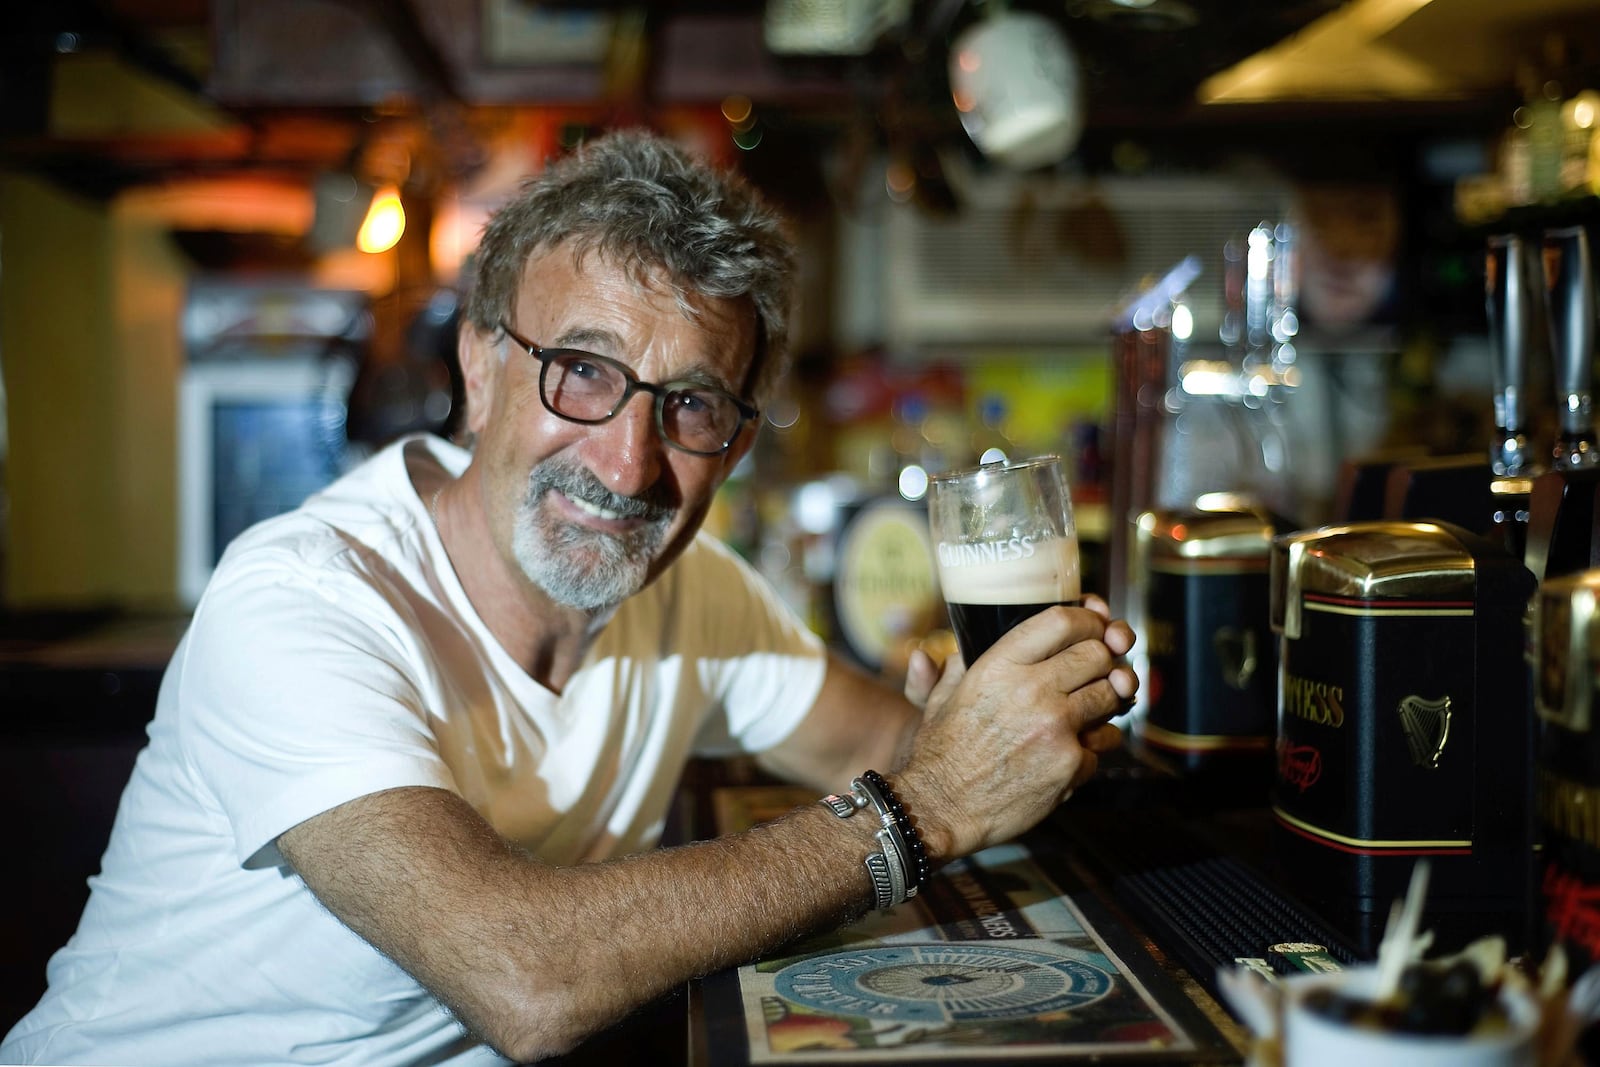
(1315, 702)
(1427, 727)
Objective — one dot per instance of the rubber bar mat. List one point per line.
(1217, 912)
(1183, 881)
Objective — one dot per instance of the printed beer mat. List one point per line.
(995, 962)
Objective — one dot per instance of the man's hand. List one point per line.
(1002, 742)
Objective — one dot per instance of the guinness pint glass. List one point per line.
(1005, 544)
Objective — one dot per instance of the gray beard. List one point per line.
(576, 566)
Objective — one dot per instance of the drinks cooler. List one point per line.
(1212, 666)
(1403, 729)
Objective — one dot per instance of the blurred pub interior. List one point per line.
(195, 331)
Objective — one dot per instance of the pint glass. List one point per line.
(1006, 546)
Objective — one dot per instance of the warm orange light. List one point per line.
(385, 222)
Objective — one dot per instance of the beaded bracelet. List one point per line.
(919, 870)
(900, 869)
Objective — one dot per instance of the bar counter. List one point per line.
(1097, 936)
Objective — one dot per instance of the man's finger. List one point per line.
(922, 674)
(1119, 637)
(1124, 681)
(1036, 639)
(1101, 739)
(1097, 604)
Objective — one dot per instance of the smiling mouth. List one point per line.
(590, 508)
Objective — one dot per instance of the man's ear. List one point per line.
(481, 366)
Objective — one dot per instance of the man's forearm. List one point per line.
(545, 956)
(534, 958)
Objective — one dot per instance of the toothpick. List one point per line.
(1400, 935)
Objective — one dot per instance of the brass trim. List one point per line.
(1228, 528)
(1172, 739)
(1384, 612)
(1290, 588)
(1360, 842)
(1373, 561)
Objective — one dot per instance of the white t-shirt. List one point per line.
(333, 655)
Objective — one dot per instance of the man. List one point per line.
(411, 757)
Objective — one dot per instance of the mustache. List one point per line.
(655, 504)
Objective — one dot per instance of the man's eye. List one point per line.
(690, 403)
(587, 369)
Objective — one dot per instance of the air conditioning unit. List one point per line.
(1049, 261)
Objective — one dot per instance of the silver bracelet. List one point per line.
(878, 869)
(891, 818)
(896, 864)
(890, 868)
(845, 806)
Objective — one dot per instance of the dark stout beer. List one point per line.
(977, 626)
(989, 590)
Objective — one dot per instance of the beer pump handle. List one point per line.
(1508, 297)
(1570, 304)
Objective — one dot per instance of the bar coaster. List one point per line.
(998, 961)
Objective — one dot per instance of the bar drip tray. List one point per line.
(1218, 913)
(1205, 908)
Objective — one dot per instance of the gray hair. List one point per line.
(655, 211)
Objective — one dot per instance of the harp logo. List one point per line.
(1236, 655)
(1427, 727)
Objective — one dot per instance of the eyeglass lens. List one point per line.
(586, 387)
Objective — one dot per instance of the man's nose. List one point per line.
(632, 448)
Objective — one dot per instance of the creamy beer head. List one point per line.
(1019, 570)
(990, 588)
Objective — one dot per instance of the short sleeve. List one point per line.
(296, 698)
(761, 664)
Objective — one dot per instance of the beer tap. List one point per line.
(1569, 302)
(1509, 305)
(1508, 291)
(1562, 508)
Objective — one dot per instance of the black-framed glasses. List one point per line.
(583, 387)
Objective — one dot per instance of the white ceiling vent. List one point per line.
(1049, 262)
